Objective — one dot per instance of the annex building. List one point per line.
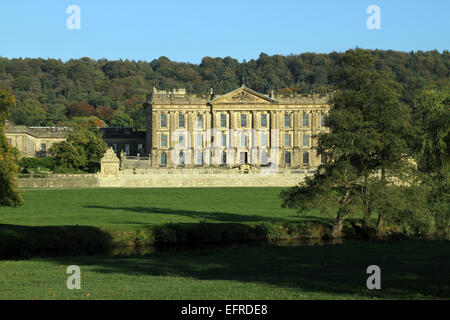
(34, 141)
(242, 127)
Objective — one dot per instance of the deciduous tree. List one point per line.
(121, 119)
(81, 109)
(432, 105)
(82, 151)
(29, 113)
(9, 196)
(368, 129)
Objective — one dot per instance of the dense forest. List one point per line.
(51, 92)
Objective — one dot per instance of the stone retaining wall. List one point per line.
(201, 180)
(61, 181)
(164, 179)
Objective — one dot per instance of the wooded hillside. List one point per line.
(50, 92)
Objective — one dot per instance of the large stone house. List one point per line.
(240, 127)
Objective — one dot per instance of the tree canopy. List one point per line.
(432, 148)
(9, 196)
(82, 151)
(367, 141)
(43, 86)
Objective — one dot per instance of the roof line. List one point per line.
(243, 87)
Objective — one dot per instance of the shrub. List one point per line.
(33, 163)
(274, 231)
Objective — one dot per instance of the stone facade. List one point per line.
(239, 128)
(34, 141)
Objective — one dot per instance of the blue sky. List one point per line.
(189, 30)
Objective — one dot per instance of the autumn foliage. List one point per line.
(81, 109)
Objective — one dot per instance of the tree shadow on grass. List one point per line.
(212, 216)
(22, 242)
(409, 270)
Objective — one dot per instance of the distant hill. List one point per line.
(51, 92)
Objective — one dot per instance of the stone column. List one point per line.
(149, 130)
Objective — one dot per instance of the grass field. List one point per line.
(409, 270)
(128, 207)
(79, 217)
(59, 220)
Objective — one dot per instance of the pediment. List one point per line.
(109, 156)
(244, 95)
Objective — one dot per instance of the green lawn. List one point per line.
(49, 218)
(409, 270)
(119, 208)
(70, 221)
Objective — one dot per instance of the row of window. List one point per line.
(181, 121)
(287, 158)
(223, 120)
(243, 158)
(243, 140)
(126, 148)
